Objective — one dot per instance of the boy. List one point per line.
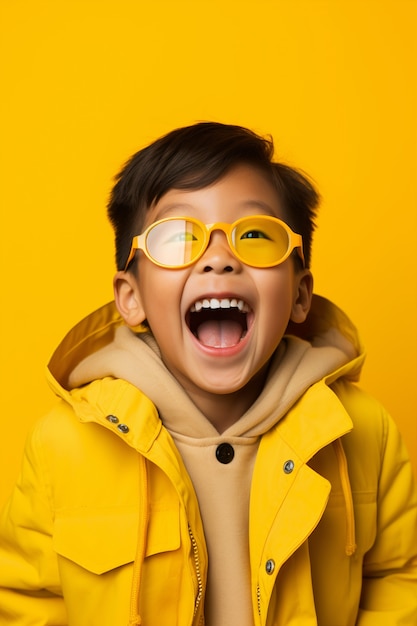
(211, 461)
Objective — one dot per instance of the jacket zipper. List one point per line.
(198, 573)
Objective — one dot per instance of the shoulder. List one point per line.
(77, 461)
(78, 431)
(59, 430)
(375, 441)
(365, 411)
(55, 432)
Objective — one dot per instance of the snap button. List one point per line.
(112, 418)
(270, 566)
(124, 428)
(288, 466)
(225, 453)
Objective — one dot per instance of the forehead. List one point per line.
(244, 190)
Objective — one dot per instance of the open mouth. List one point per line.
(219, 323)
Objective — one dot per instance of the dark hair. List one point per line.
(194, 157)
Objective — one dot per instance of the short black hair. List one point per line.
(194, 157)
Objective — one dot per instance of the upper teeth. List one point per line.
(224, 303)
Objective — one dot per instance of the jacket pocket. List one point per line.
(163, 530)
(102, 540)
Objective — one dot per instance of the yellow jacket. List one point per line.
(104, 527)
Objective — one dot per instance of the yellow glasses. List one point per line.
(176, 242)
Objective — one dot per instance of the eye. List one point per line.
(181, 237)
(254, 234)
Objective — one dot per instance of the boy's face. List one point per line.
(212, 354)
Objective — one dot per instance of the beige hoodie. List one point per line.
(222, 481)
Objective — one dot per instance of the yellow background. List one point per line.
(85, 83)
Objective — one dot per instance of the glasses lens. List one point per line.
(175, 242)
(260, 241)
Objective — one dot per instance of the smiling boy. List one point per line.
(212, 460)
(221, 361)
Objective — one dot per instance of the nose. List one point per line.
(218, 257)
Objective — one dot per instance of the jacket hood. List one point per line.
(326, 346)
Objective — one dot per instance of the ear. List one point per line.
(302, 296)
(128, 299)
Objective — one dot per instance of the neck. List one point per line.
(224, 410)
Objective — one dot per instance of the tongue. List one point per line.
(219, 334)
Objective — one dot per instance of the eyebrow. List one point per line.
(247, 204)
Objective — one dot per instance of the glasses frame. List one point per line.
(139, 241)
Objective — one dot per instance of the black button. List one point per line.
(124, 428)
(225, 453)
(112, 418)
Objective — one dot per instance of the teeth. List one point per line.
(224, 303)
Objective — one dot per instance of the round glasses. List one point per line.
(176, 242)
